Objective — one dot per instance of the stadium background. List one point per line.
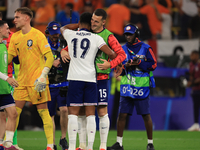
(171, 103)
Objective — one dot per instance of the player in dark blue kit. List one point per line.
(57, 82)
(137, 78)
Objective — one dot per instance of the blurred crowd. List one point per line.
(156, 19)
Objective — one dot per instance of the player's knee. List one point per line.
(146, 117)
(102, 114)
(13, 114)
(102, 111)
(64, 110)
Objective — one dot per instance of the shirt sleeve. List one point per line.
(11, 47)
(65, 49)
(116, 47)
(66, 33)
(3, 76)
(43, 44)
(151, 62)
(100, 41)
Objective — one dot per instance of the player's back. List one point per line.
(82, 46)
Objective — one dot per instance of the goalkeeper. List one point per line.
(31, 46)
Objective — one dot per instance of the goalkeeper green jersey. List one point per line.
(4, 86)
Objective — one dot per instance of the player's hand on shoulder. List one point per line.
(105, 64)
(12, 82)
(65, 56)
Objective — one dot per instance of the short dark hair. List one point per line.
(85, 18)
(195, 52)
(2, 22)
(101, 12)
(70, 5)
(25, 10)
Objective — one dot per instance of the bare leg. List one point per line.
(148, 126)
(3, 124)
(63, 120)
(121, 122)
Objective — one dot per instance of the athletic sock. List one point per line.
(9, 138)
(72, 131)
(104, 124)
(82, 131)
(48, 125)
(91, 130)
(150, 141)
(19, 110)
(119, 140)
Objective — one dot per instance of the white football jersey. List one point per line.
(82, 48)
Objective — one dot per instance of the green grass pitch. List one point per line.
(133, 140)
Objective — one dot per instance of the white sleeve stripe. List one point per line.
(3, 76)
(102, 45)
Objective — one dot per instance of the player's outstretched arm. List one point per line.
(111, 54)
(40, 83)
(11, 81)
(69, 26)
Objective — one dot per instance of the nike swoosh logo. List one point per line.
(16, 43)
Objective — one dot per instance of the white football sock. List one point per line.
(50, 145)
(9, 135)
(9, 138)
(119, 140)
(91, 130)
(72, 131)
(104, 124)
(150, 141)
(82, 131)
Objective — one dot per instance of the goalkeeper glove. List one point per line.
(40, 83)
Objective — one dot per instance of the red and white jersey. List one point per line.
(82, 46)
